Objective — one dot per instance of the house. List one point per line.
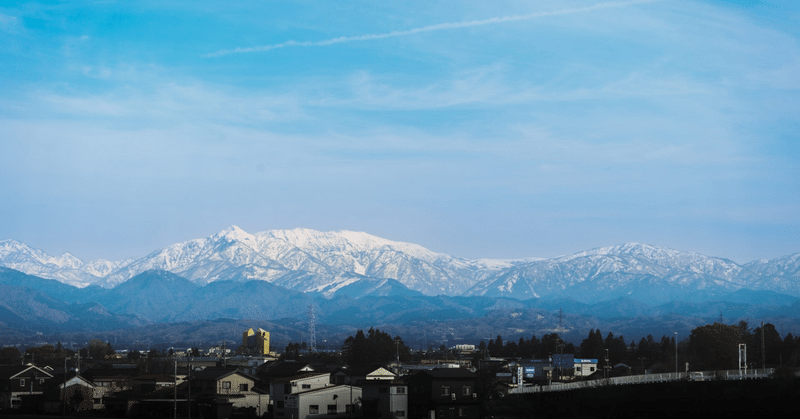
(329, 402)
(383, 396)
(226, 383)
(447, 393)
(75, 394)
(282, 369)
(108, 381)
(280, 389)
(19, 380)
(355, 374)
(384, 399)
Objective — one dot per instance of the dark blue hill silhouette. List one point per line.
(33, 304)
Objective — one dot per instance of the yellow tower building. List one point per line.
(256, 342)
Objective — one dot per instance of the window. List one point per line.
(226, 385)
(242, 387)
(331, 409)
(467, 391)
(306, 386)
(400, 390)
(313, 409)
(22, 382)
(445, 390)
(591, 368)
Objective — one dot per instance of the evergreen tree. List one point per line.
(593, 346)
(375, 347)
(772, 346)
(715, 346)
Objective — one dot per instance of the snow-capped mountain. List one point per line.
(328, 262)
(65, 268)
(309, 260)
(299, 259)
(631, 269)
(780, 275)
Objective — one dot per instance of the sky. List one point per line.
(503, 129)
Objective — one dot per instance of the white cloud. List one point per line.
(432, 28)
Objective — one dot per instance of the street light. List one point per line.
(676, 352)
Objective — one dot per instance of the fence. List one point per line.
(646, 378)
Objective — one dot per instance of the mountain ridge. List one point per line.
(307, 260)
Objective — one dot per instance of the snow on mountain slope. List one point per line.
(780, 275)
(65, 268)
(675, 259)
(629, 269)
(307, 260)
(326, 262)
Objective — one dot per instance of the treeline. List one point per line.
(96, 352)
(374, 347)
(526, 348)
(53, 354)
(710, 347)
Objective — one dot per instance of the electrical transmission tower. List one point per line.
(312, 330)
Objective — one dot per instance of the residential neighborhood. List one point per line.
(372, 376)
(251, 382)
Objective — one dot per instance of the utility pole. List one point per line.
(763, 354)
(189, 390)
(312, 330)
(676, 352)
(175, 387)
(397, 345)
(64, 389)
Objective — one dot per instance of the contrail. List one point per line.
(430, 28)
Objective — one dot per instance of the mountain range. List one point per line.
(328, 262)
(360, 280)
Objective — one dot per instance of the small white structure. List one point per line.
(585, 367)
(331, 401)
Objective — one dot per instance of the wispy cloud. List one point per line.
(9, 23)
(431, 28)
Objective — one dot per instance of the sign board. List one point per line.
(564, 361)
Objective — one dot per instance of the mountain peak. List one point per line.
(234, 233)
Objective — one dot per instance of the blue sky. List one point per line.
(497, 129)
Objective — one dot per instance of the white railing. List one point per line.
(646, 378)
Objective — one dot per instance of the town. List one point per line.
(375, 375)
